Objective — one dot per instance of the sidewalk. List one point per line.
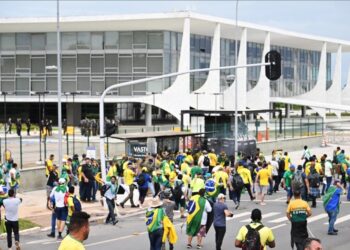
(33, 208)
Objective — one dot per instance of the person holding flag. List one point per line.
(197, 208)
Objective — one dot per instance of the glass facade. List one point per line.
(92, 61)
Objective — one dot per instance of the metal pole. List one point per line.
(236, 86)
(40, 159)
(20, 150)
(276, 129)
(0, 150)
(315, 125)
(67, 139)
(5, 121)
(107, 147)
(73, 124)
(292, 128)
(88, 139)
(301, 128)
(59, 103)
(45, 145)
(308, 126)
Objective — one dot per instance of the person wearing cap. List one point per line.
(266, 235)
(143, 180)
(154, 221)
(287, 182)
(331, 204)
(297, 212)
(220, 213)
(262, 180)
(61, 211)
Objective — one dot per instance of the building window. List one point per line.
(97, 41)
(83, 40)
(38, 41)
(7, 65)
(111, 40)
(22, 84)
(97, 65)
(69, 65)
(125, 40)
(7, 41)
(125, 64)
(155, 40)
(38, 65)
(23, 41)
(155, 65)
(140, 40)
(22, 62)
(69, 41)
(51, 41)
(83, 61)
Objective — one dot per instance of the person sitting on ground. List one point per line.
(246, 234)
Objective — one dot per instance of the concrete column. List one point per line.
(303, 111)
(287, 107)
(73, 112)
(148, 116)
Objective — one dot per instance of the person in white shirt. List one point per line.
(61, 210)
(11, 205)
(204, 162)
(328, 168)
(275, 176)
(202, 231)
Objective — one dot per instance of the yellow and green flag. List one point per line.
(195, 210)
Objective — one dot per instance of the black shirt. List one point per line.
(53, 177)
(87, 170)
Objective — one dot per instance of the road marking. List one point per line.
(279, 220)
(37, 241)
(317, 217)
(279, 199)
(264, 216)
(340, 220)
(235, 216)
(278, 226)
(121, 238)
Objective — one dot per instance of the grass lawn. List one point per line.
(23, 224)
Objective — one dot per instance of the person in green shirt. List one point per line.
(287, 182)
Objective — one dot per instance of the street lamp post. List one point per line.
(73, 94)
(135, 82)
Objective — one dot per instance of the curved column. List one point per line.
(345, 94)
(241, 78)
(206, 100)
(177, 96)
(334, 92)
(318, 92)
(260, 94)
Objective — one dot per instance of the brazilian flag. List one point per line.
(328, 196)
(195, 210)
(154, 219)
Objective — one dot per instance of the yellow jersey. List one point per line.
(69, 243)
(128, 176)
(245, 174)
(221, 176)
(263, 176)
(265, 233)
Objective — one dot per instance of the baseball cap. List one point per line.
(220, 196)
(62, 181)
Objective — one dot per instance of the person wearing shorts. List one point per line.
(203, 230)
(263, 179)
(61, 211)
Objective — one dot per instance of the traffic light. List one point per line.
(110, 129)
(273, 70)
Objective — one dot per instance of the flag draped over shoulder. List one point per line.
(195, 211)
(328, 196)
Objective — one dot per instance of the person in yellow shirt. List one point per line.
(189, 157)
(78, 232)
(213, 160)
(221, 179)
(49, 165)
(311, 163)
(112, 171)
(129, 176)
(185, 167)
(266, 236)
(262, 180)
(70, 206)
(247, 178)
(286, 161)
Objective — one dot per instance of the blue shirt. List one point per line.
(147, 178)
(334, 201)
(219, 214)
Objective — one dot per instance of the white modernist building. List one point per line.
(98, 52)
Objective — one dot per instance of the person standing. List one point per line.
(220, 213)
(154, 222)
(88, 179)
(18, 126)
(9, 124)
(11, 205)
(314, 185)
(78, 232)
(73, 205)
(331, 204)
(110, 195)
(169, 207)
(244, 237)
(28, 125)
(297, 212)
(64, 126)
(61, 211)
(287, 182)
(328, 172)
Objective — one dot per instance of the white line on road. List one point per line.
(279, 220)
(317, 217)
(264, 216)
(341, 219)
(278, 226)
(235, 216)
(38, 241)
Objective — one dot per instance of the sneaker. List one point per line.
(237, 206)
(335, 230)
(199, 246)
(115, 222)
(122, 205)
(262, 203)
(51, 235)
(59, 237)
(332, 233)
(17, 245)
(189, 246)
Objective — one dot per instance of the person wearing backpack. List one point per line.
(299, 178)
(314, 185)
(204, 162)
(255, 236)
(236, 185)
(143, 181)
(245, 173)
(73, 205)
(110, 193)
(297, 212)
(179, 192)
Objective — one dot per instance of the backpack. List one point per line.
(252, 239)
(314, 180)
(141, 180)
(237, 182)
(77, 204)
(298, 178)
(104, 189)
(281, 165)
(177, 192)
(206, 161)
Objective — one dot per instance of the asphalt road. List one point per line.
(130, 233)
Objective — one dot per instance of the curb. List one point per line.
(25, 231)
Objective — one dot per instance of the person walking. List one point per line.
(11, 205)
(297, 212)
(314, 185)
(9, 124)
(61, 211)
(247, 237)
(78, 232)
(262, 180)
(245, 173)
(28, 125)
(287, 182)
(143, 180)
(169, 207)
(154, 222)
(73, 205)
(129, 176)
(110, 195)
(18, 126)
(331, 204)
(220, 213)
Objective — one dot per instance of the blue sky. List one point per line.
(325, 18)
